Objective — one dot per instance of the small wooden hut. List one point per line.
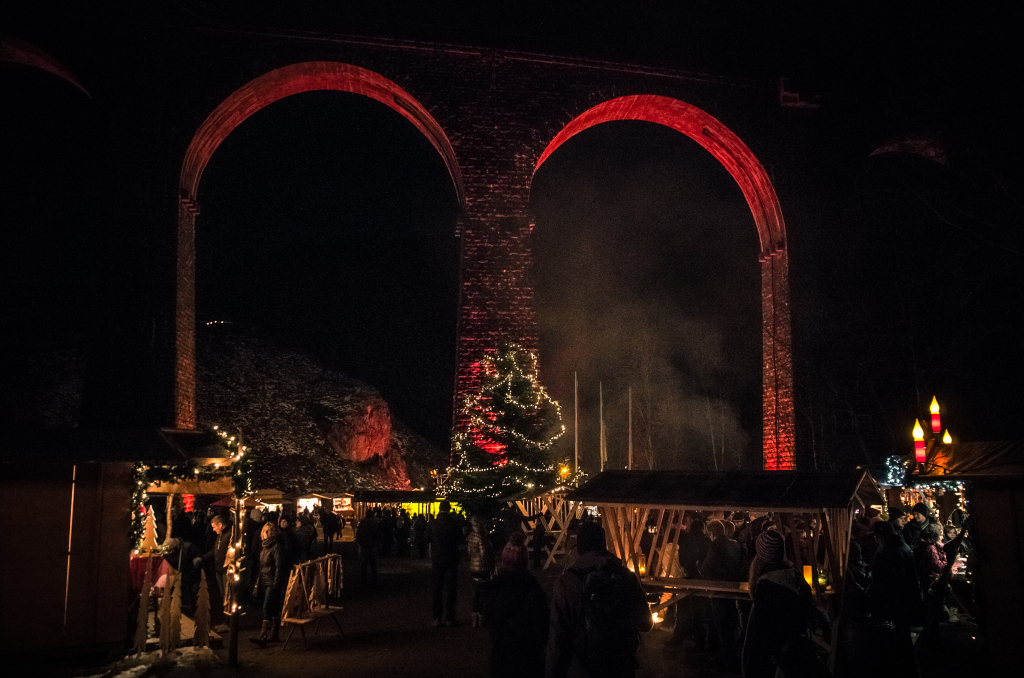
(66, 499)
(632, 503)
(553, 510)
(992, 477)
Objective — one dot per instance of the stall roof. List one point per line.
(394, 496)
(975, 461)
(533, 493)
(764, 490)
(152, 446)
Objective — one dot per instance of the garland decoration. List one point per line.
(240, 469)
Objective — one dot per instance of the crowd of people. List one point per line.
(899, 572)
(273, 542)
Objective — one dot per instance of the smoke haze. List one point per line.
(646, 278)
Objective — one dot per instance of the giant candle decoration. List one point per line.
(936, 423)
(919, 451)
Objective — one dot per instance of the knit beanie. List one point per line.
(771, 547)
(513, 556)
(590, 537)
(922, 509)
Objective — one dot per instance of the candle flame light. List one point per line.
(936, 422)
(946, 438)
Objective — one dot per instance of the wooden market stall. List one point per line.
(555, 513)
(990, 476)
(642, 514)
(66, 495)
(416, 501)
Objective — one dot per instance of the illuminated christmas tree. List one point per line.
(512, 425)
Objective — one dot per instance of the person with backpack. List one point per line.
(515, 612)
(598, 610)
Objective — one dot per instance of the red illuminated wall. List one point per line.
(494, 119)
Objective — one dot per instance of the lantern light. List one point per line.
(808, 576)
(919, 450)
(946, 438)
(934, 409)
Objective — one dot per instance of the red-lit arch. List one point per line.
(247, 100)
(16, 51)
(739, 161)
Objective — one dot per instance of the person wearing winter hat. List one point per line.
(782, 605)
(515, 612)
(920, 516)
(898, 517)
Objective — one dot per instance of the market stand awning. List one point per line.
(394, 497)
(974, 461)
(162, 446)
(731, 490)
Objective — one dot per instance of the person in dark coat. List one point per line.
(567, 640)
(515, 612)
(855, 596)
(402, 530)
(895, 592)
(537, 543)
(724, 562)
(273, 578)
(287, 525)
(445, 537)
(387, 533)
(481, 562)
(329, 523)
(368, 538)
(693, 613)
(419, 534)
(781, 609)
(213, 563)
(185, 558)
(305, 535)
(920, 517)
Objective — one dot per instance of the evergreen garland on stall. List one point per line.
(512, 426)
(239, 468)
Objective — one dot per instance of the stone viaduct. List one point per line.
(493, 116)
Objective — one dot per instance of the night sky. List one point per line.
(327, 224)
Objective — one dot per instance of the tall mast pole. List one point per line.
(630, 428)
(600, 395)
(576, 419)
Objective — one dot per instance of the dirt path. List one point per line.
(388, 633)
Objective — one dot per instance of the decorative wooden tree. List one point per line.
(165, 617)
(318, 596)
(175, 635)
(142, 631)
(201, 637)
(149, 543)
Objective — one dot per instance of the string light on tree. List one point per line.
(512, 426)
